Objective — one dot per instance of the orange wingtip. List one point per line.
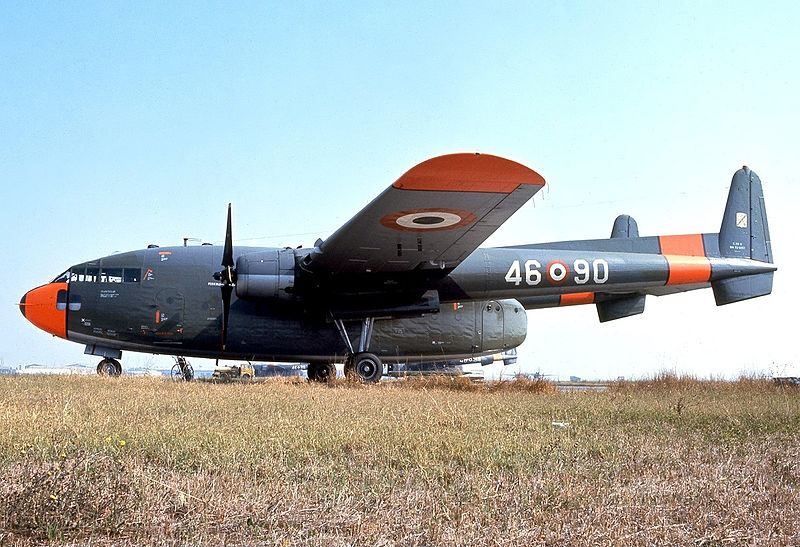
(576, 298)
(468, 173)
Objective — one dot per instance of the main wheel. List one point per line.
(109, 367)
(321, 372)
(368, 367)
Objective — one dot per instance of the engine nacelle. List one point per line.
(266, 274)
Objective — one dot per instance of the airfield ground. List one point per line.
(98, 461)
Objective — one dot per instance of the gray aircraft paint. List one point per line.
(285, 299)
(178, 288)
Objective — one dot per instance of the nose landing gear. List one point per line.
(109, 367)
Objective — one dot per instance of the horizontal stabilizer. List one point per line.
(618, 308)
(736, 289)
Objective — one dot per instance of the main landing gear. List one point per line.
(109, 367)
(362, 365)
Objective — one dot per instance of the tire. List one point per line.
(321, 372)
(109, 367)
(368, 367)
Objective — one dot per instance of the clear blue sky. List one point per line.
(123, 124)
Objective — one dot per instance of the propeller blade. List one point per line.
(227, 253)
(226, 311)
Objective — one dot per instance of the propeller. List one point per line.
(227, 276)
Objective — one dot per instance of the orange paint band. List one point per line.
(685, 245)
(576, 298)
(685, 270)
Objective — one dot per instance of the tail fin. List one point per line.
(744, 234)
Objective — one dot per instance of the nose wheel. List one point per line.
(109, 367)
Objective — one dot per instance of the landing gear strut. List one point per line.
(109, 367)
(362, 365)
(182, 370)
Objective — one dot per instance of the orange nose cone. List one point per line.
(46, 308)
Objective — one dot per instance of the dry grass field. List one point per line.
(131, 461)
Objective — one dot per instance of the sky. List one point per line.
(124, 124)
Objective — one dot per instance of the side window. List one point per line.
(91, 275)
(132, 275)
(111, 275)
(61, 300)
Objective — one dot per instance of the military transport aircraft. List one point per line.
(402, 281)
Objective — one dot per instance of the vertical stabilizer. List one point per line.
(744, 232)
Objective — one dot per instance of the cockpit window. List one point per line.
(132, 275)
(62, 278)
(111, 275)
(61, 300)
(106, 275)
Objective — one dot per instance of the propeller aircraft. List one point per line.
(403, 281)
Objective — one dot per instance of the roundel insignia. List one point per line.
(428, 220)
(557, 272)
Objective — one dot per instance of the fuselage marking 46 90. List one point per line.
(557, 272)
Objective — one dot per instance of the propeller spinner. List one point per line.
(227, 276)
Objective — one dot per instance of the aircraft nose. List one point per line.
(46, 308)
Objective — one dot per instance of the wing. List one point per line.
(434, 216)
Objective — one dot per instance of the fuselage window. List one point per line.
(74, 302)
(61, 300)
(106, 275)
(132, 275)
(111, 275)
